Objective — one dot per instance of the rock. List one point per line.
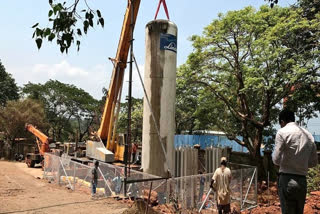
(316, 193)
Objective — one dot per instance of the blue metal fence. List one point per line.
(206, 141)
(214, 140)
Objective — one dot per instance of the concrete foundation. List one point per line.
(160, 83)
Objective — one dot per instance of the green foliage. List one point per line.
(243, 65)
(16, 114)
(310, 8)
(8, 87)
(65, 27)
(313, 179)
(305, 99)
(69, 109)
(136, 118)
(186, 103)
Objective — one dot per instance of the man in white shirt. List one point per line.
(221, 184)
(295, 152)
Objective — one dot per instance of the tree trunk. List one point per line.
(256, 154)
(258, 159)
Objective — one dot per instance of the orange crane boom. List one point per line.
(42, 143)
(42, 139)
(106, 131)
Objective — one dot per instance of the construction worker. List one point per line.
(134, 147)
(221, 184)
(295, 152)
(94, 178)
(117, 181)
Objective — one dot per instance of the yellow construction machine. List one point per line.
(108, 146)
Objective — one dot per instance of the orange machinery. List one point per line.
(106, 134)
(42, 143)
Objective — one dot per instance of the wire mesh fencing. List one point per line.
(184, 193)
(190, 192)
(77, 176)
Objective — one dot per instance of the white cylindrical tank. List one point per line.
(160, 83)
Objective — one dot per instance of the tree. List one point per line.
(186, 104)
(245, 63)
(70, 110)
(136, 118)
(8, 87)
(310, 8)
(16, 114)
(305, 98)
(65, 19)
(65, 28)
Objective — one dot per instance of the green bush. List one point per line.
(313, 179)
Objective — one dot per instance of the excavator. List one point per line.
(42, 141)
(108, 145)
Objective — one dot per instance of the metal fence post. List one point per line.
(59, 169)
(256, 186)
(105, 181)
(205, 200)
(241, 188)
(65, 173)
(251, 180)
(147, 205)
(74, 176)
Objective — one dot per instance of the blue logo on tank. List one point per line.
(168, 42)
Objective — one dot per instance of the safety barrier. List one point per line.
(186, 193)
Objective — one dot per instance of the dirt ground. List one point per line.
(23, 191)
(268, 201)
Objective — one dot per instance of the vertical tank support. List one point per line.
(160, 84)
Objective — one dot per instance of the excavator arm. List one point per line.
(42, 139)
(106, 131)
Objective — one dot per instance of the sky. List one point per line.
(90, 68)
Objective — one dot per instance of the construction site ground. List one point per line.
(268, 201)
(23, 191)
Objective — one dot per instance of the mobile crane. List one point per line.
(108, 146)
(43, 146)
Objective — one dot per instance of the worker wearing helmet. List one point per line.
(221, 184)
(94, 178)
